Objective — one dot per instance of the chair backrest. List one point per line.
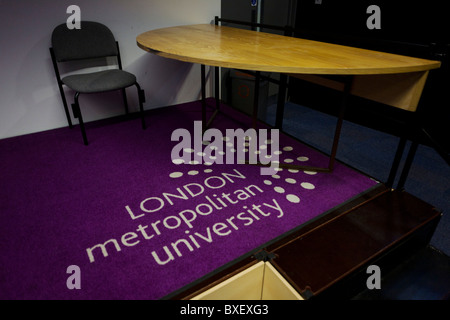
(93, 40)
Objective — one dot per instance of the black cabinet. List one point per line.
(419, 29)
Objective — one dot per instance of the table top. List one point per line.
(228, 47)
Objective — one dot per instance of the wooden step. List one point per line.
(331, 260)
(328, 257)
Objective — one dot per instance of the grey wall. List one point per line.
(29, 97)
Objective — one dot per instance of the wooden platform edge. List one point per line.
(233, 268)
(351, 280)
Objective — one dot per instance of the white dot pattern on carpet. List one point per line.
(175, 175)
(275, 181)
(308, 186)
(279, 189)
(292, 193)
(177, 161)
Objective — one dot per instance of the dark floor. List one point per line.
(425, 276)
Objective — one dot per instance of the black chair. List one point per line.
(93, 41)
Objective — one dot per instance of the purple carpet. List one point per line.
(136, 224)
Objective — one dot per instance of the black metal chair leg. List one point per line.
(77, 114)
(141, 97)
(125, 100)
(60, 86)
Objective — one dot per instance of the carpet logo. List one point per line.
(275, 180)
(194, 219)
(207, 202)
(235, 203)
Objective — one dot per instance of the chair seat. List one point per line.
(101, 81)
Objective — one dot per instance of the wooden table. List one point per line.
(387, 78)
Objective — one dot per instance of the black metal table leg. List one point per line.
(347, 88)
(396, 162)
(281, 101)
(256, 100)
(408, 164)
(348, 82)
(203, 83)
(217, 86)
